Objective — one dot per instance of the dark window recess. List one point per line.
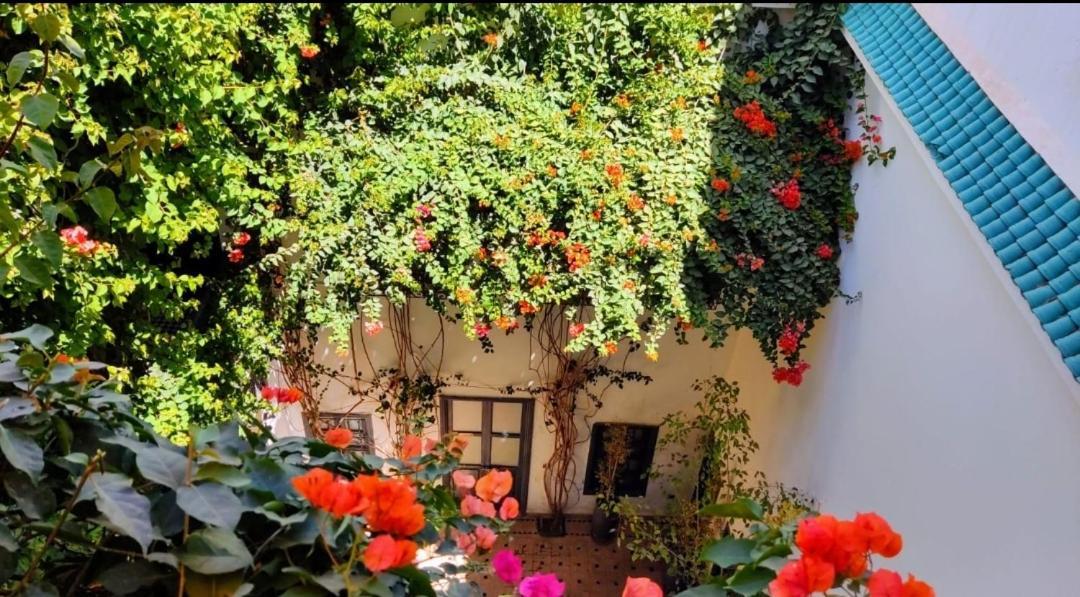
(358, 423)
(633, 477)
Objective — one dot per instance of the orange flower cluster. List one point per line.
(752, 77)
(833, 550)
(388, 505)
(307, 52)
(853, 150)
(788, 194)
(491, 39)
(547, 237)
(635, 202)
(615, 174)
(338, 437)
(385, 553)
(720, 185)
(281, 395)
(577, 256)
(677, 134)
(755, 120)
(622, 100)
(479, 498)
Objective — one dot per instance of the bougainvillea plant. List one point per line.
(815, 555)
(95, 501)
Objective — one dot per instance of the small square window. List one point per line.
(358, 423)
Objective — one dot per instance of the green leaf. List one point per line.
(218, 585)
(127, 577)
(34, 270)
(419, 583)
(88, 171)
(7, 540)
(17, 67)
(157, 464)
(103, 201)
(743, 508)
(22, 452)
(211, 503)
(13, 407)
(125, 508)
(40, 109)
(37, 335)
(72, 46)
(750, 581)
(704, 591)
(222, 473)
(215, 551)
(41, 149)
(728, 552)
(47, 26)
(37, 503)
(48, 242)
(40, 589)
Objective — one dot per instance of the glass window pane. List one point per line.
(505, 451)
(506, 417)
(473, 451)
(468, 415)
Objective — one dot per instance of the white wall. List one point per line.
(932, 401)
(1027, 59)
(485, 373)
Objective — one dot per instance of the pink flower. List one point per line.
(466, 542)
(824, 251)
(542, 585)
(642, 587)
(423, 210)
(372, 328)
(507, 567)
(643, 240)
(509, 509)
(240, 239)
(481, 330)
(485, 538)
(236, 255)
(756, 263)
(463, 481)
(77, 238)
(421, 241)
(474, 506)
(576, 329)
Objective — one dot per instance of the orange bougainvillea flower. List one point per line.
(392, 506)
(802, 577)
(878, 535)
(457, 446)
(509, 509)
(491, 39)
(307, 52)
(329, 493)
(641, 587)
(474, 506)
(914, 587)
(385, 553)
(338, 437)
(885, 583)
(412, 447)
(635, 202)
(495, 485)
(614, 173)
(466, 542)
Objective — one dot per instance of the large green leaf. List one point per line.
(48, 242)
(222, 473)
(742, 508)
(157, 464)
(88, 171)
(103, 201)
(18, 65)
(14, 406)
(729, 552)
(34, 270)
(704, 591)
(125, 508)
(36, 502)
(127, 577)
(220, 585)
(211, 503)
(22, 452)
(419, 583)
(750, 581)
(40, 109)
(43, 152)
(215, 551)
(37, 335)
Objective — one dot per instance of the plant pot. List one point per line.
(604, 526)
(671, 583)
(551, 526)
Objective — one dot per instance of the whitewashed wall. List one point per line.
(509, 364)
(1027, 59)
(933, 400)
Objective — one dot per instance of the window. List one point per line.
(499, 432)
(633, 476)
(358, 423)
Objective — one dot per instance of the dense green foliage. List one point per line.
(506, 159)
(93, 499)
(168, 173)
(154, 128)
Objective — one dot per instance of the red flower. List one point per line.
(885, 583)
(236, 255)
(756, 263)
(642, 586)
(824, 251)
(576, 329)
(481, 329)
(289, 395)
(702, 45)
(392, 505)
(792, 375)
(330, 493)
(914, 587)
(615, 174)
(788, 342)
(853, 150)
(802, 577)
(752, 77)
(755, 120)
(423, 211)
(77, 238)
(788, 194)
(240, 239)
(879, 536)
(338, 437)
(720, 185)
(308, 51)
(385, 553)
(577, 256)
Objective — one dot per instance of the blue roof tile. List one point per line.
(1027, 214)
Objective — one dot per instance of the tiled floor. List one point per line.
(588, 569)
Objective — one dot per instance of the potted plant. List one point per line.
(605, 517)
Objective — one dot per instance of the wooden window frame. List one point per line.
(329, 419)
(446, 424)
(590, 484)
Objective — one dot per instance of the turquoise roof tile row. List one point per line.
(1028, 215)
